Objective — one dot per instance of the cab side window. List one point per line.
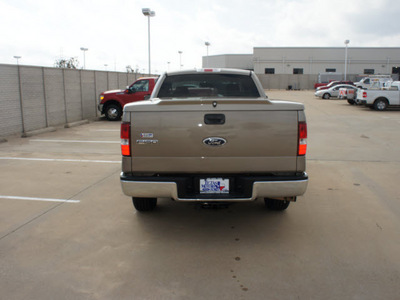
(140, 86)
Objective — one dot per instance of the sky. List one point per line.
(116, 32)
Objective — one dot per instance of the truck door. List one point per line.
(137, 91)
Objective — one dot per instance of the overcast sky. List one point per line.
(115, 31)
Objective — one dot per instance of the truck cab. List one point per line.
(112, 102)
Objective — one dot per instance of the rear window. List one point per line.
(208, 85)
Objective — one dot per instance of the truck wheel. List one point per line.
(380, 104)
(351, 102)
(144, 204)
(326, 96)
(274, 204)
(113, 112)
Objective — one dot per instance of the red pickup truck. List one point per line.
(112, 102)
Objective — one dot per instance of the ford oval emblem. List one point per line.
(214, 141)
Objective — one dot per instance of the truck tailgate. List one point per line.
(168, 138)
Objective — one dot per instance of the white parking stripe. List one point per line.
(39, 199)
(63, 160)
(75, 141)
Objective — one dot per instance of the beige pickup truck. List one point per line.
(213, 136)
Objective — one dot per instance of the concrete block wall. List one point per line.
(89, 96)
(10, 109)
(34, 98)
(33, 101)
(54, 95)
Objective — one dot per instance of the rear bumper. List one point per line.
(244, 188)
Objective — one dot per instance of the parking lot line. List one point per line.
(63, 160)
(75, 141)
(39, 199)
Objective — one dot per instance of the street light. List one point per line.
(207, 45)
(147, 12)
(84, 57)
(180, 59)
(17, 57)
(346, 42)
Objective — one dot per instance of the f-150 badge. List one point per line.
(146, 142)
(214, 141)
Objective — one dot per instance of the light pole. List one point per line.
(346, 42)
(84, 56)
(180, 59)
(148, 13)
(17, 57)
(207, 45)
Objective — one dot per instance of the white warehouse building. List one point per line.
(299, 67)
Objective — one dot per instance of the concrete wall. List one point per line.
(239, 61)
(34, 98)
(314, 60)
(298, 82)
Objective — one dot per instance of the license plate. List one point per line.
(214, 186)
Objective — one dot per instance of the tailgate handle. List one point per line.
(214, 119)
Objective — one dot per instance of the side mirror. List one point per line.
(127, 90)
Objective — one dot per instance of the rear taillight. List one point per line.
(364, 94)
(302, 145)
(125, 138)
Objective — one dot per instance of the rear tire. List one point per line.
(274, 204)
(351, 102)
(113, 112)
(144, 204)
(381, 104)
(326, 96)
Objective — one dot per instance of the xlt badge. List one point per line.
(214, 141)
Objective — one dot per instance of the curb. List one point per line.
(36, 132)
(74, 124)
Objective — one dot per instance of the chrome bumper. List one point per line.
(260, 189)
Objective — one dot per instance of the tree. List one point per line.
(64, 63)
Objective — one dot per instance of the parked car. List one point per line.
(333, 83)
(333, 91)
(379, 99)
(373, 81)
(346, 93)
(112, 102)
(391, 84)
(349, 94)
(326, 78)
